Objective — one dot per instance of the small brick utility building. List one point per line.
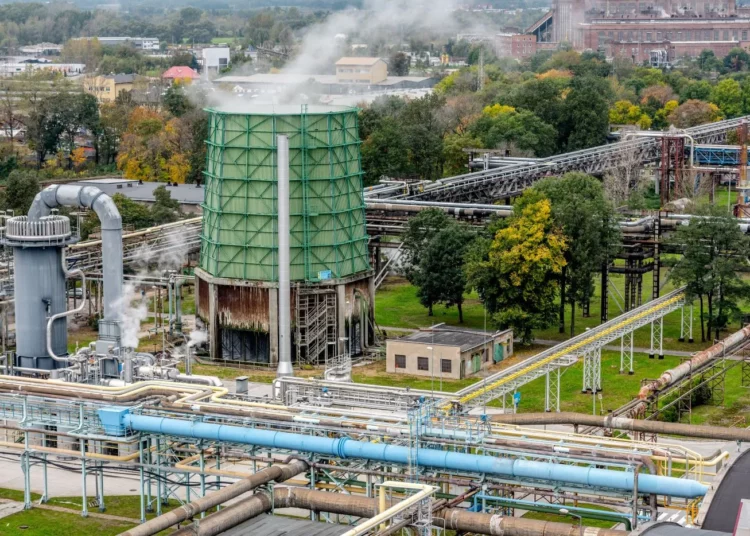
(447, 351)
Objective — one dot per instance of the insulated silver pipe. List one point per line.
(285, 330)
(51, 320)
(111, 223)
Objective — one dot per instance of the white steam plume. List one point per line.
(393, 21)
(134, 310)
(197, 337)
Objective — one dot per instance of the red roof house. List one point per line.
(180, 73)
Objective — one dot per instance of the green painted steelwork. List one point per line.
(327, 228)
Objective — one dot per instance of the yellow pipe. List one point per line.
(557, 355)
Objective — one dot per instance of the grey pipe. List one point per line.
(351, 505)
(285, 329)
(279, 473)
(111, 225)
(53, 318)
(624, 423)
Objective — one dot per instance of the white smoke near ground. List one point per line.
(133, 310)
(197, 337)
(150, 262)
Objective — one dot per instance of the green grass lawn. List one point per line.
(617, 389)
(588, 522)
(734, 409)
(116, 505)
(397, 306)
(222, 40)
(38, 522)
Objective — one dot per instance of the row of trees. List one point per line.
(560, 233)
(546, 254)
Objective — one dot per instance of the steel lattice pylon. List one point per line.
(592, 370)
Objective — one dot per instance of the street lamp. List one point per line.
(566, 512)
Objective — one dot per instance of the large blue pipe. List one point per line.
(438, 459)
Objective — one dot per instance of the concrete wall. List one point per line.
(413, 351)
(368, 74)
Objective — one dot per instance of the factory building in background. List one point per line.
(643, 30)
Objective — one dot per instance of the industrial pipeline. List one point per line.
(119, 420)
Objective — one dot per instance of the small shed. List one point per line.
(447, 351)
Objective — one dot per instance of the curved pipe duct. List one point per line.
(111, 225)
(121, 419)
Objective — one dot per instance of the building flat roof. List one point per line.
(442, 335)
(186, 194)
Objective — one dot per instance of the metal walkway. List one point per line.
(587, 345)
(494, 184)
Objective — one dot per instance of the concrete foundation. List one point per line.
(242, 318)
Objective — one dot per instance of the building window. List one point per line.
(744, 35)
(446, 366)
(400, 361)
(423, 363)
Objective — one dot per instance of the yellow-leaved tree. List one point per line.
(517, 272)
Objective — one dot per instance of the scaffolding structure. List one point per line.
(316, 324)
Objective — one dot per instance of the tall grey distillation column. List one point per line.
(285, 328)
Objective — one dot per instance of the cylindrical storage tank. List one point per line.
(327, 229)
(40, 288)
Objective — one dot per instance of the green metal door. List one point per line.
(499, 352)
(477, 362)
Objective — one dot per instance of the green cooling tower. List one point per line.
(327, 229)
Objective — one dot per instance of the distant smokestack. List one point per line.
(285, 330)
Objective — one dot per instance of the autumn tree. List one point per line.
(516, 272)
(694, 112)
(503, 127)
(587, 220)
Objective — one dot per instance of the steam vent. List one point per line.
(237, 282)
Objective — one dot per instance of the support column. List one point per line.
(100, 476)
(273, 325)
(657, 329)
(604, 307)
(552, 390)
(592, 370)
(626, 353)
(214, 338)
(686, 324)
(341, 317)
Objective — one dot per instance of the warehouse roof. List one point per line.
(442, 335)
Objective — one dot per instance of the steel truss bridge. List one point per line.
(502, 183)
(588, 346)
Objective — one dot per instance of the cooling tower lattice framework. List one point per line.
(327, 227)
